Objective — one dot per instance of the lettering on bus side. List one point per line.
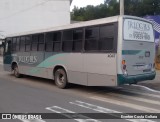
(141, 26)
(138, 30)
(27, 59)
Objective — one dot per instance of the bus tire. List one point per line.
(60, 78)
(16, 71)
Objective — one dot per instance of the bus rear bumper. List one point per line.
(121, 79)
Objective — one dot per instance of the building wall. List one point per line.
(26, 15)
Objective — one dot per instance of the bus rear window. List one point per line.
(137, 30)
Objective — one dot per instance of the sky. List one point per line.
(83, 3)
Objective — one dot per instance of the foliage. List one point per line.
(111, 8)
(142, 7)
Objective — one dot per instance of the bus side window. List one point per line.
(49, 42)
(91, 38)
(22, 43)
(53, 41)
(106, 41)
(77, 40)
(41, 45)
(14, 43)
(8, 47)
(57, 41)
(17, 45)
(67, 40)
(34, 43)
(28, 43)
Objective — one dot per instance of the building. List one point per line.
(27, 15)
(156, 24)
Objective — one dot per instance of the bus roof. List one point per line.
(75, 25)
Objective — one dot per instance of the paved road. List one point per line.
(36, 95)
(1, 60)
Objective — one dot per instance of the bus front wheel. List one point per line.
(61, 78)
(16, 71)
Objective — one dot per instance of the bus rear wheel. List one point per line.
(16, 71)
(61, 78)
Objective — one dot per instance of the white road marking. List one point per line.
(104, 110)
(145, 94)
(126, 104)
(63, 111)
(93, 107)
(135, 98)
(147, 88)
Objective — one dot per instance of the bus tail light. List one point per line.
(124, 67)
(153, 65)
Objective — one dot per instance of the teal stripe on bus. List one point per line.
(48, 63)
(131, 52)
(122, 79)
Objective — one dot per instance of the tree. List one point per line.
(111, 8)
(142, 7)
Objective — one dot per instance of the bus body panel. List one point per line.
(102, 69)
(135, 54)
(137, 51)
(81, 68)
(91, 68)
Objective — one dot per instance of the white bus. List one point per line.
(105, 52)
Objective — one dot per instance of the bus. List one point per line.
(105, 52)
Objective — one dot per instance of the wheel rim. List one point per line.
(60, 78)
(16, 71)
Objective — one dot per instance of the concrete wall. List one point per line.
(26, 15)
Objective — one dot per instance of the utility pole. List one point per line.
(121, 7)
